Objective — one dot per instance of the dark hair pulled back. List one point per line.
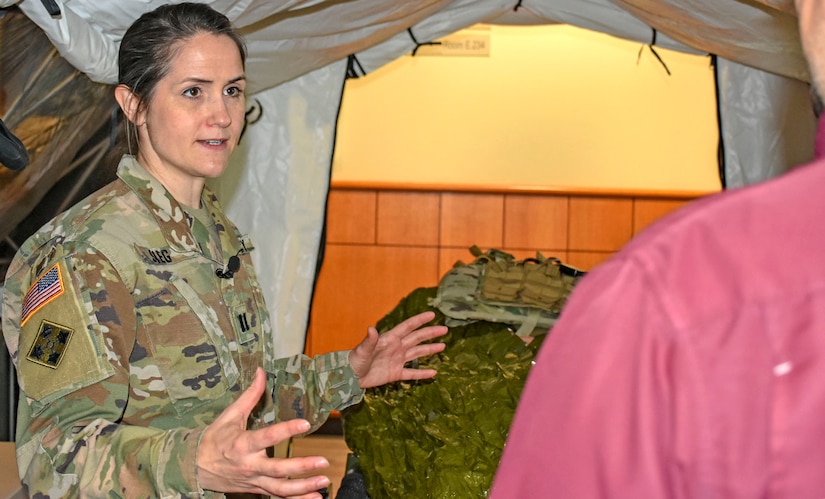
(151, 42)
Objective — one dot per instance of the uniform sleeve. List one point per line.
(311, 388)
(596, 417)
(70, 433)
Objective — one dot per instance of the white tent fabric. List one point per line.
(289, 38)
(297, 64)
(759, 33)
(768, 123)
(279, 193)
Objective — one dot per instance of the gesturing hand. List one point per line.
(380, 359)
(233, 459)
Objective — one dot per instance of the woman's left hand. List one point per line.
(380, 358)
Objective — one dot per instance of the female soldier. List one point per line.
(135, 320)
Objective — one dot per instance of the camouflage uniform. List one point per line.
(127, 344)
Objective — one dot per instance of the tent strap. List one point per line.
(651, 46)
(417, 43)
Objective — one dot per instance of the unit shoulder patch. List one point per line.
(50, 344)
(60, 346)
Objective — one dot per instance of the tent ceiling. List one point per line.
(289, 38)
(758, 33)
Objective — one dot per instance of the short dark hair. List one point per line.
(151, 42)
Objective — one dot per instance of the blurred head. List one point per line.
(812, 32)
(152, 41)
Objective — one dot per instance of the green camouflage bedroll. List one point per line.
(443, 438)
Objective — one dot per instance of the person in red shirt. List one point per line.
(692, 364)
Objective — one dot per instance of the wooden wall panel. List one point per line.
(535, 221)
(351, 217)
(586, 260)
(647, 211)
(384, 243)
(468, 219)
(447, 257)
(600, 223)
(408, 218)
(360, 284)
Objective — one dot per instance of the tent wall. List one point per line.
(285, 38)
(768, 123)
(276, 190)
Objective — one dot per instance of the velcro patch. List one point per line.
(45, 289)
(50, 344)
(60, 349)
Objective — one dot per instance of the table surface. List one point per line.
(9, 482)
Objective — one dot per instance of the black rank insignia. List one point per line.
(243, 322)
(50, 344)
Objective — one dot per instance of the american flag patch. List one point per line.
(48, 287)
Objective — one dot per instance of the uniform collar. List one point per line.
(172, 219)
(169, 214)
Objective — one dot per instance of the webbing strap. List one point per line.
(529, 323)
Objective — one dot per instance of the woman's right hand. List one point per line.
(234, 459)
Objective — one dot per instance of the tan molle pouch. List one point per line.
(527, 294)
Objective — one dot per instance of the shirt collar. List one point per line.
(173, 221)
(168, 213)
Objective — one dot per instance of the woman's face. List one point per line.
(194, 119)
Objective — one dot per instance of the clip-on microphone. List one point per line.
(231, 267)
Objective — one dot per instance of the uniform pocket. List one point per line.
(189, 350)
